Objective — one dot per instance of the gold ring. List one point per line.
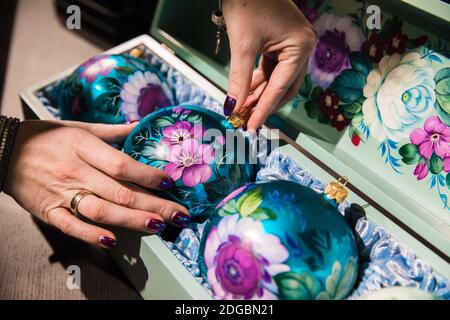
(76, 200)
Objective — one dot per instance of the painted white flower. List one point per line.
(142, 94)
(242, 259)
(399, 92)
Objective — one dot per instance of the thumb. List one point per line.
(110, 133)
(239, 79)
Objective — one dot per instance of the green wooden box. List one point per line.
(408, 209)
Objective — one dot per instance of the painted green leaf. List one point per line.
(164, 121)
(235, 175)
(323, 118)
(436, 165)
(360, 61)
(447, 180)
(149, 148)
(249, 202)
(218, 189)
(442, 79)
(264, 214)
(74, 83)
(195, 118)
(348, 85)
(320, 242)
(410, 153)
(297, 286)
(228, 208)
(316, 92)
(443, 115)
(306, 87)
(351, 108)
(347, 279)
(312, 108)
(140, 137)
(357, 119)
(125, 70)
(109, 100)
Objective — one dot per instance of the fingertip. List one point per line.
(155, 225)
(256, 121)
(166, 183)
(229, 105)
(107, 241)
(180, 218)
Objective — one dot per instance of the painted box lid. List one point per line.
(375, 104)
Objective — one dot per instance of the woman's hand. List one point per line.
(285, 38)
(53, 160)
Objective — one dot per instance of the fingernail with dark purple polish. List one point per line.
(229, 105)
(181, 219)
(155, 225)
(108, 242)
(166, 183)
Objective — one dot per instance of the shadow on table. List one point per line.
(101, 279)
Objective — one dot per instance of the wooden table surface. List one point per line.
(34, 257)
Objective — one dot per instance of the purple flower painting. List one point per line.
(190, 161)
(144, 93)
(243, 268)
(181, 131)
(433, 138)
(337, 37)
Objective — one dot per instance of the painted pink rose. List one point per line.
(190, 161)
(433, 138)
(181, 131)
(100, 65)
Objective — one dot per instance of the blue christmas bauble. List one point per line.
(189, 144)
(278, 240)
(113, 89)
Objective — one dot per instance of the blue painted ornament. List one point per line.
(278, 240)
(189, 144)
(113, 89)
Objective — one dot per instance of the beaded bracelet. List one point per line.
(8, 130)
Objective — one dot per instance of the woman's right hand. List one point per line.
(54, 160)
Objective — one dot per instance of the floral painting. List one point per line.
(278, 240)
(177, 141)
(386, 86)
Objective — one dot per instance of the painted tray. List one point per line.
(380, 101)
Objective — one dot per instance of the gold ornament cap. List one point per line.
(336, 190)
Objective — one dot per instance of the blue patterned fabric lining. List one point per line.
(388, 262)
